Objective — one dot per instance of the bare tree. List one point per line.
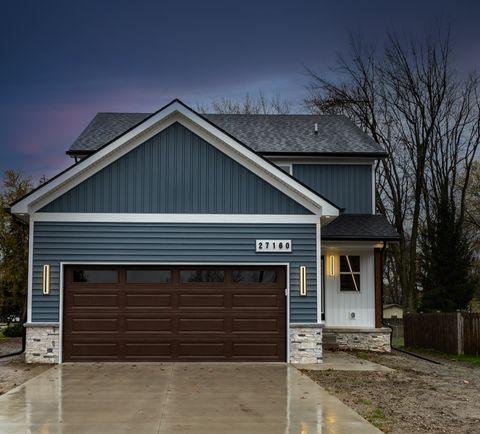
(473, 202)
(410, 99)
(13, 249)
(250, 105)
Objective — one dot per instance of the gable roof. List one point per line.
(175, 111)
(368, 227)
(265, 134)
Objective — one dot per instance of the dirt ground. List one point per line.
(419, 397)
(13, 370)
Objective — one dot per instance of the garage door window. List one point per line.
(187, 276)
(95, 276)
(254, 276)
(149, 276)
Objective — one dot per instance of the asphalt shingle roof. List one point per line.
(266, 134)
(359, 227)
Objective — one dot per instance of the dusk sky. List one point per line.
(63, 61)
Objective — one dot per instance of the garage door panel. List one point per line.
(201, 300)
(196, 321)
(139, 350)
(202, 350)
(148, 325)
(95, 349)
(201, 325)
(91, 300)
(255, 301)
(97, 325)
(255, 350)
(142, 300)
(255, 325)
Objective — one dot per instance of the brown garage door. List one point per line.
(133, 313)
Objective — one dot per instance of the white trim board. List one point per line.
(175, 112)
(342, 245)
(174, 218)
(320, 288)
(31, 232)
(342, 161)
(278, 264)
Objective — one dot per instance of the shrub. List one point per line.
(13, 330)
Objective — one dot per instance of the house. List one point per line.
(180, 236)
(392, 311)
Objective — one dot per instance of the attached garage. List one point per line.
(167, 313)
(111, 237)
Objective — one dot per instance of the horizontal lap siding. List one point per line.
(347, 186)
(171, 243)
(175, 172)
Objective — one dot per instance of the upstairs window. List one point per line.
(349, 273)
(286, 168)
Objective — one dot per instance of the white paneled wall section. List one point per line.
(340, 305)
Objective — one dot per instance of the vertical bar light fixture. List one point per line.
(46, 279)
(331, 268)
(303, 281)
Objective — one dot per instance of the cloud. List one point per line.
(36, 134)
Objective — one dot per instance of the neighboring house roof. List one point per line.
(176, 111)
(388, 306)
(266, 134)
(360, 227)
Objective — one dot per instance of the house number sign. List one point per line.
(273, 246)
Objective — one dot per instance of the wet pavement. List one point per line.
(195, 398)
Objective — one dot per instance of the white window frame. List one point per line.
(354, 273)
(285, 167)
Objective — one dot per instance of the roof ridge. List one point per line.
(233, 114)
(123, 113)
(291, 133)
(274, 114)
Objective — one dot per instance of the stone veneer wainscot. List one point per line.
(42, 344)
(365, 339)
(306, 343)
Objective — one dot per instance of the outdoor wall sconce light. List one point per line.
(303, 281)
(46, 279)
(331, 266)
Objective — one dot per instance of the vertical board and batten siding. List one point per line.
(348, 186)
(175, 171)
(339, 304)
(56, 242)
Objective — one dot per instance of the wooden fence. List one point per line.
(453, 333)
(397, 327)
(471, 339)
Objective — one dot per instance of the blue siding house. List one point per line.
(182, 236)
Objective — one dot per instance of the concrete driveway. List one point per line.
(175, 398)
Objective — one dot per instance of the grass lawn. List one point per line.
(398, 342)
(473, 360)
